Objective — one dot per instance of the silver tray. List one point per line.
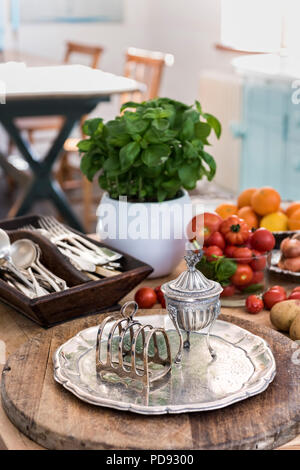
(274, 268)
(245, 366)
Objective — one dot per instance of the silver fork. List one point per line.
(79, 259)
(66, 241)
(59, 229)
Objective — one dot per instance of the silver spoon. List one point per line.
(60, 282)
(5, 259)
(24, 255)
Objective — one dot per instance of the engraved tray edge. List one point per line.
(260, 386)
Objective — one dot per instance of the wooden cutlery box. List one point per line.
(84, 296)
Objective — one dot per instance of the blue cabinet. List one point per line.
(271, 138)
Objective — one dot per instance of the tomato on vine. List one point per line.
(235, 230)
(242, 276)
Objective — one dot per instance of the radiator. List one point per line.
(221, 95)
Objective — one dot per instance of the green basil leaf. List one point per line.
(119, 140)
(128, 154)
(206, 268)
(190, 151)
(210, 161)
(129, 104)
(202, 130)
(173, 184)
(92, 126)
(116, 128)
(85, 145)
(111, 163)
(253, 288)
(157, 113)
(191, 114)
(187, 132)
(90, 166)
(188, 175)
(161, 194)
(198, 107)
(225, 269)
(85, 163)
(214, 123)
(134, 123)
(155, 154)
(160, 124)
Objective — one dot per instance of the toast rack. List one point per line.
(193, 302)
(130, 359)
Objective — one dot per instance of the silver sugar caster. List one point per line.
(192, 302)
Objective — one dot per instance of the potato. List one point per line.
(295, 329)
(284, 313)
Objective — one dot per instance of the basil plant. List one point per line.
(151, 151)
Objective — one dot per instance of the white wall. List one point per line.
(187, 28)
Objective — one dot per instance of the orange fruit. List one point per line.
(244, 198)
(265, 201)
(226, 210)
(292, 208)
(294, 221)
(249, 216)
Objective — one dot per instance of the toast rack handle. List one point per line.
(125, 310)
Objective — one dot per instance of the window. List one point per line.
(260, 25)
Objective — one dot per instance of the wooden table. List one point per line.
(15, 330)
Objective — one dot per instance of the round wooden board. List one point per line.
(54, 418)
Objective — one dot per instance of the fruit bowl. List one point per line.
(239, 277)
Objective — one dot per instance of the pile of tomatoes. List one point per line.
(232, 238)
(271, 297)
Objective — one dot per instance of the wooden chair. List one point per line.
(67, 169)
(145, 67)
(33, 125)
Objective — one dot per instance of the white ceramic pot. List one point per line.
(151, 232)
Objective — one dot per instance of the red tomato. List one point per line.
(280, 288)
(145, 297)
(295, 295)
(248, 242)
(195, 229)
(211, 252)
(296, 289)
(216, 239)
(258, 277)
(242, 276)
(263, 240)
(235, 230)
(254, 304)
(259, 261)
(229, 250)
(228, 291)
(244, 255)
(272, 297)
(160, 296)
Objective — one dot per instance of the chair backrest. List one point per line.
(94, 52)
(145, 67)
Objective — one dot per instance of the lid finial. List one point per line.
(192, 258)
